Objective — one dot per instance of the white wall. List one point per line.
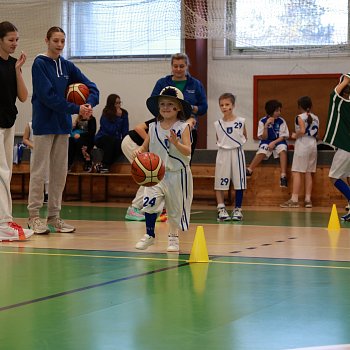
(134, 82)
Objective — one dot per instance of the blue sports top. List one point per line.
(193, 92)
(51, 111)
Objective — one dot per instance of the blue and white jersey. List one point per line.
(311, 131)
(278, 129)
(230, 133)
(173, 159)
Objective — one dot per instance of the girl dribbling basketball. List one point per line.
(169, 137)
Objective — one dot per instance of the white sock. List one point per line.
(294, 197)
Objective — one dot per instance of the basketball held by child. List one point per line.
(77, 93)
(147, 169)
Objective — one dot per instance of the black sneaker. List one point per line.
(88, 166)
(97, 167)
(104, 170)
(100, 168)
(283, 182)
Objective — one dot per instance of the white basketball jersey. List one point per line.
(309, 139)
(230, 134)
(173, 159)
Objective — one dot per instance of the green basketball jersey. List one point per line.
(338, 123)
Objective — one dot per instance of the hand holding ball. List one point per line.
(77, 93)
(147, 169)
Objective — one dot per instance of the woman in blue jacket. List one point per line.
(191, 88)
(52, 124)
(114, 126)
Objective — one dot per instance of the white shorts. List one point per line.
(306, 162)
(175, 192)
(230, 165)
(264, 149)
(340, 167)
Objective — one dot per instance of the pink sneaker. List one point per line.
(10, 231)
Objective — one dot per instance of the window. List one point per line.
(286, 25)
(109, 29)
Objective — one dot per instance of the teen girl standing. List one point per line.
(12, 86)
(52, 124)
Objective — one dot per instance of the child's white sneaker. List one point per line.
(237, 214)
(145, 242)
(223, 215)
(173, 243)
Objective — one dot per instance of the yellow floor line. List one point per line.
(178, 260)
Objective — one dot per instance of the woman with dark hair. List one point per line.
(12, 86)
(114, 126)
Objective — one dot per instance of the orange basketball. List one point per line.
(147, 169)
(77, 93)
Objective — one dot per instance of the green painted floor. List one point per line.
(251, 217)
(53, 299)
(97, 300)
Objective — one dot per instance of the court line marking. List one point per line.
(181, 260)
(181, 263)
(92, 286)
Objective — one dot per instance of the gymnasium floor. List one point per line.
(278, 280)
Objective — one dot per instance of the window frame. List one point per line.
(231, 50)
(68, 18)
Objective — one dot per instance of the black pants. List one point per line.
(111, 149)
(75, 145)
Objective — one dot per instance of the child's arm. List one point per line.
(245, 133)
(283, 135)
(301, 132)
(265, 134)
(143, 148)
(191, 122)
(141, 130)
(185, 146)
(26, 136)
(273, 143)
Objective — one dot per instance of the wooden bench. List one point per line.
(20, 180)
(118, 185)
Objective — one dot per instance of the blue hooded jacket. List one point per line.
(51, 111)
(193, 92)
